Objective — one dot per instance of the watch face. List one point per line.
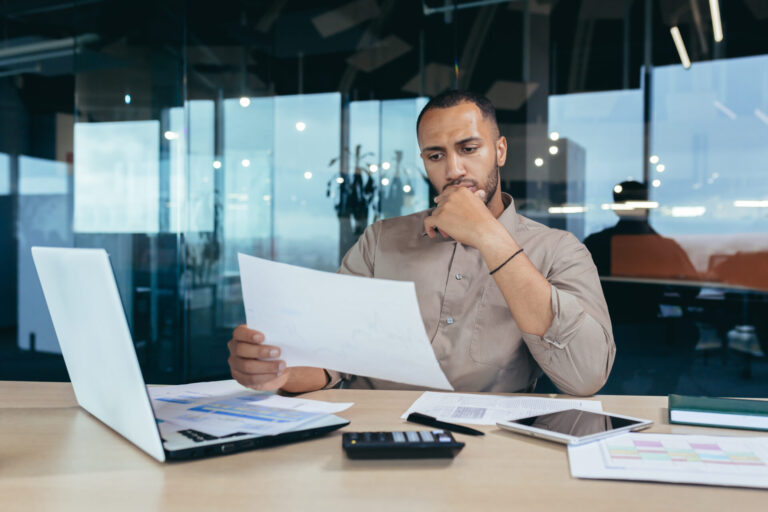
(577, 423)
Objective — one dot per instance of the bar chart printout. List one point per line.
(710, 460)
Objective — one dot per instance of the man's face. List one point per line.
(461, 148)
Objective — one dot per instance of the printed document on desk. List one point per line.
(363, 326)
(225, 407)
(490, 409)
(694, 459)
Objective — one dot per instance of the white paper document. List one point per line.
(305, 405)
(220, 417)
(368, 327)
(225, 407)
(490, 409)
(693, 459)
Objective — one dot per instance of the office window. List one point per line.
(177, 134)
(307, 139)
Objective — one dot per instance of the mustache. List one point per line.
(460, 182)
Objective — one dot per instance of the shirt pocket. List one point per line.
(496, 340)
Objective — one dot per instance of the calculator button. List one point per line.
(413, 437)
(444, 439)
(426, 437)
(399, 437)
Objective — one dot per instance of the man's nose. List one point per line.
(455, 168)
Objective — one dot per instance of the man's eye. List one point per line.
(435, 157)
(470, 149)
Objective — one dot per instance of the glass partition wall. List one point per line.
(176, 134)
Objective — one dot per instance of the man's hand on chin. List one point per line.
(462, 214)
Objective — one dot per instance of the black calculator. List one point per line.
(413, 444)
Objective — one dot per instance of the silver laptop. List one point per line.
(90, 323)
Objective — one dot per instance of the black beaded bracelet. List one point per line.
(507, 261)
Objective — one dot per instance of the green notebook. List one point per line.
(719, 412)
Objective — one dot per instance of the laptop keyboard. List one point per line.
(200, 437)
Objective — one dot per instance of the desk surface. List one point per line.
(55, 456)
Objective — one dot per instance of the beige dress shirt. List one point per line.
(472, 331)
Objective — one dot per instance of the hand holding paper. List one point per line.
(369, 327)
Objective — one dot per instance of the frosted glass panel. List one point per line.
(5, 174)
(116, 177)
(40, 176)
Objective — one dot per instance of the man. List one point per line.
(632, 248)
(634, 222)
(502, 297)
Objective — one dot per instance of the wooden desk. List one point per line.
(55, 456)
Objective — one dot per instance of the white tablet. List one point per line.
(575, 426)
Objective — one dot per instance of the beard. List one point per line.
(492, 183)
(490, 186)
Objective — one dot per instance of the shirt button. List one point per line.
(459, 277)
(449, 320)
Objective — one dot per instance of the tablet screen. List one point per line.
(574, 422)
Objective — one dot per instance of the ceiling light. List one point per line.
(643, 204)
(216, 164)
(617, 189)
(725, 110)
(373, 168)
(301, 126)
(169, 135)
(656, 183)
(538, 162)
(245, 162)
(616, 206)
(681, 51)
(385, 181)
(761, 115)
(661, 168)
(746, 203)
(567, 209)
(406, 188)
(688, 211)
(245, 101)
(654, 159)
(717, 24)
(554, 136)
(385, 165)
(553, 150)
(307, 175)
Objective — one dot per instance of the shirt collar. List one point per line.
(508, 217)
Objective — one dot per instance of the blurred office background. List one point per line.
(176, 134)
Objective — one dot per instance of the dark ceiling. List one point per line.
(373, 48)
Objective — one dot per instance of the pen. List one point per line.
(423, 419)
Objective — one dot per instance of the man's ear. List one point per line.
(501, 150)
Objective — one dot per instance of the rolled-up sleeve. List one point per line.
(578, 349)
(358, 261)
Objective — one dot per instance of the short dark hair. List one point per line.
(630, 190)
(455, 97)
